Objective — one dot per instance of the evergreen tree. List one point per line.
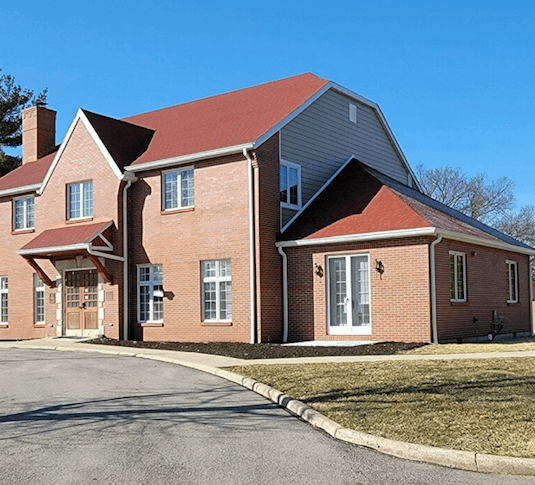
(13, 99)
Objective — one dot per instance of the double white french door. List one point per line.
(349, 295)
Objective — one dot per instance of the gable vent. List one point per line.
(352, 113)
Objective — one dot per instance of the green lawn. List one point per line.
(485, 406)
(468, 348)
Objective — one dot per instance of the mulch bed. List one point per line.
(263, 351)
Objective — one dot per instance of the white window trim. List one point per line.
(81, 185)
(463, 255)
(36, 290)
(215, 279)
(354, 330)
(151, 283)
(25, 226)
(179, 184)
(509, 264)
(4, 291)
(296, 166)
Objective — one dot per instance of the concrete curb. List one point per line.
(464, 460)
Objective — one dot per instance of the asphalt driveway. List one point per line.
(83, 418)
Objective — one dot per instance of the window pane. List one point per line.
(224, 268)
(157, 275)
(210, 303)
(29, 212)
(293, 186)
(283, 183)
(39, 296)
(452, 277)
(157, 302)
(88, 199)
(19, 214)
(144, 273)
(209, 269)
(3, 283)
(3, 310)
(170, 190)
(460, 277)
(225, 300)
(74, 201)
(187, 188)
(144, 303)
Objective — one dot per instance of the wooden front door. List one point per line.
(81, 302)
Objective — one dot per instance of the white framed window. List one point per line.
(80, 200)
(177, 189)
(38, 299)
(511, 268)
(23, 213)
(290, 184)
(3, 300)
(216, 290)
(150, 293)
(352, 113)
(457, 276)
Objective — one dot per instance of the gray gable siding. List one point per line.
(322, 138)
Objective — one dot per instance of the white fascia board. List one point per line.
(53, 249)
(99, 232)
(20, 190)
(455, 236)
(368, 236)
(297, 111)
(192, 157)
(383, 121)
(323, 187)
(80, 116)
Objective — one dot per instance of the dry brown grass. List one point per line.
(475, 348)
(486, 406)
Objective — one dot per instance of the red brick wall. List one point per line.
(268, 267)
(486, 291)
(400, 304)
(217, 228)
(81, 160)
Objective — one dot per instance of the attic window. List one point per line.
(352, 113)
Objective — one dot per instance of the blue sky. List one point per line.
(454, 79)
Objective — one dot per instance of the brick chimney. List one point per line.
(38, 133)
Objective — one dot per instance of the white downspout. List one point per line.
(433, 289)
(284, 294)
(530, 297)
(252, 280)
(129, 177)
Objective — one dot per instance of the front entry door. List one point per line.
(81, 303)
(349, 295)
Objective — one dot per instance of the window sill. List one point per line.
(459, 303)
(285, 205)
(215, 323)
(4, 325)
(513, 303)
(177, 211)
(39, 325)
(151, 324)
(22, 231)
(75, 221)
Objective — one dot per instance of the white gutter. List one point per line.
(20, 190)
(284, 294)
(369, 236)
(129, 179)
(433, 288)
(252, 281)
(192, 157)
(530, 297)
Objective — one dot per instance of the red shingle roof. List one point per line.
(27, 174)
(361, 200)
(225, 120)
(66, 236)
(220, 121)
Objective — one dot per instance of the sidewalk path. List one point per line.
(212, 364)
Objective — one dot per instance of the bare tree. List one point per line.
(485, 201)
(521, 225)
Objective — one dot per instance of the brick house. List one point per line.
(284, 211)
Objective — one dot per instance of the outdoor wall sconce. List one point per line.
(379, 267)
(318, 270)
